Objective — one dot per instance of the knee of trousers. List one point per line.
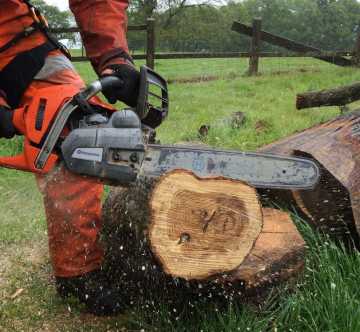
(73, 213)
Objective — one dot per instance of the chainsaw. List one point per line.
(118, 149)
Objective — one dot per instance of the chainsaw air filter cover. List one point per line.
(113, 151)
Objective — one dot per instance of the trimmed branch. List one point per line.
(332, 97)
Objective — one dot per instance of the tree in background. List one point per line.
(327, 24)
(204, 25)
(57, 19)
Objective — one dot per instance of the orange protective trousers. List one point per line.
(72, 202)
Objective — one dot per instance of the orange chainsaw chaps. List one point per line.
(34, 121)
(26, 160)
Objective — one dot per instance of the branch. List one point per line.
(333, 97)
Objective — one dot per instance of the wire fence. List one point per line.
(292, 55)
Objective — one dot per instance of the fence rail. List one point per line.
(257, 35)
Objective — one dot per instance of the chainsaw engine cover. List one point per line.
(113, 152)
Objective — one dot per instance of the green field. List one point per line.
(326, 298)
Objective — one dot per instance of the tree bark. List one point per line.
(332, 97)
(183, 237)
(334, 204)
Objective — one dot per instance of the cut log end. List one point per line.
(202, 227)
(183, 239)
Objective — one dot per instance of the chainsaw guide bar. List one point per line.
(259, 170)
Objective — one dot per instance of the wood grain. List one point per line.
(202, 227)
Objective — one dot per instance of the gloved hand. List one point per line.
(130, 91)
(7, 129)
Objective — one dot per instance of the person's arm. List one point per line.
(103, 25)
(7, 128)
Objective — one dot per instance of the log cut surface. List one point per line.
(202, 227)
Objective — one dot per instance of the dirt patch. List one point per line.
(18, 256)
(196, 79)
(205, 78)
(297, 70)
(5, 265)
(262, 126)
(231, 76)
(37, 253)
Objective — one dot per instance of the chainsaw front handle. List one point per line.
(111, 83)
(101, 85)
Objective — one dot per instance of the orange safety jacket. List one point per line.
(103, 25)
(22, 61)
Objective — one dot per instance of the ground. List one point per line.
(202, 92)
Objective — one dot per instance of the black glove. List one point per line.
(129, 93)
(7, 129)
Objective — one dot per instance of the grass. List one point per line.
(325, 299)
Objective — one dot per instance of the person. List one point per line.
(32, 62)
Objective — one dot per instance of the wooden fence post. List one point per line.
(255, 47)
(150, 43)
(356, 57)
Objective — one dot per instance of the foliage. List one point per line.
(331, 25)
(184, 25)
(56, 18)
(328, 24)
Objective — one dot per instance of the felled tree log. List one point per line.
(334, 204)
(183, 237)
(332, 97)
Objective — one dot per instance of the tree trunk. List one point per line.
(332, 97)
(183, 237)
(334, 204)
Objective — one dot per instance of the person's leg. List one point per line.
(72, 202)
(73, 212)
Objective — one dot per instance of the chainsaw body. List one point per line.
(113, 151)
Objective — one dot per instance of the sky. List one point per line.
(62, 4)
